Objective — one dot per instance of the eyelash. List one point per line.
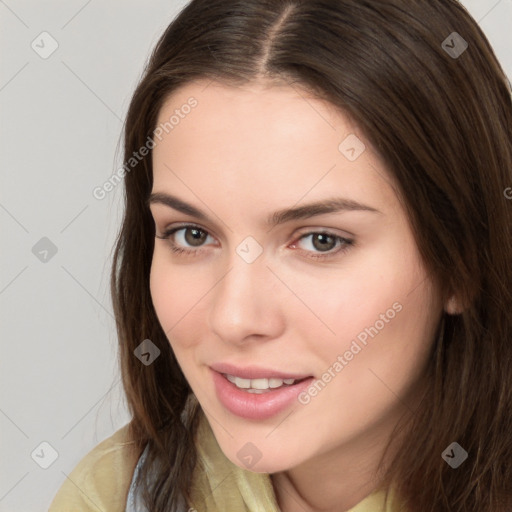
(346, 242)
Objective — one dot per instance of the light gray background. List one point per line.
(61, 120)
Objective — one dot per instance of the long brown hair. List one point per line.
(442, 122)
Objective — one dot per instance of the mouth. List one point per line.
(256, 393)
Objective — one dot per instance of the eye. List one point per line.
(324, 242)
(183, 239)
(193, 235)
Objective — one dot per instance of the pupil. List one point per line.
(197, 236)
(323, 239)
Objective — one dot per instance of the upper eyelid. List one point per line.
(183, 225)
(172, 230)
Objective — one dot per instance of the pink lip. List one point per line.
(254, 406)
(254, 372)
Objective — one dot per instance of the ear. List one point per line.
(453, 306)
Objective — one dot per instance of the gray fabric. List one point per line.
(133, 503)
(134, 500)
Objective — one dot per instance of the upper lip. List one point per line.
(255, 372)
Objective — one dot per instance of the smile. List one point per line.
(260, 385)
(257, 398)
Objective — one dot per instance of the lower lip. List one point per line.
(256, 406)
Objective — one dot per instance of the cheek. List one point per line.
(161, 293)
(407, 341)
(382, 316)
(363, 305)
(175, 295)
(377, 376)
(384, 356)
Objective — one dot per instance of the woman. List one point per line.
(312, 282)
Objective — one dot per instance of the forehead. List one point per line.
(275, 137)
(290, 109)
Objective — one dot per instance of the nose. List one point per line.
(247, 302)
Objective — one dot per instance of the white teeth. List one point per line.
(239, 382)
(258, 385)
(276, 383)
(242, 383)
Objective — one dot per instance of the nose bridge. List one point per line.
(243, 303)
(247, 278)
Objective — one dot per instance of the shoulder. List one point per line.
(101, 480)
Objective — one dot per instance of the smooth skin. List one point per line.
(240, 155)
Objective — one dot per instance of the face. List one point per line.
(334, 297)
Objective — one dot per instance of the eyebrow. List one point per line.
(331, 205)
